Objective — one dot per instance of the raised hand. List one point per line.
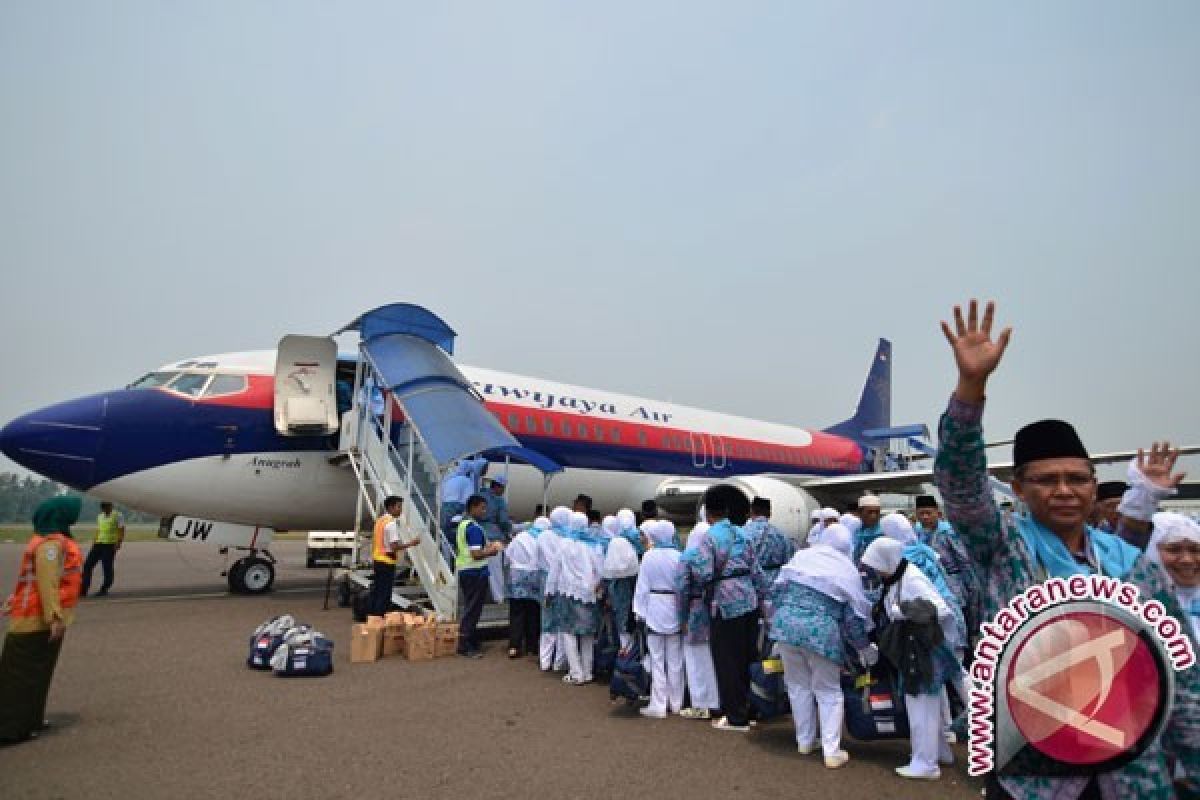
(975, 353)
(1158, 465)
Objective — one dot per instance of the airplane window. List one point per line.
(514, 422)
(565, 427)
(599, 433)
(225, 384)
(614, 435)
(152, 380)
(530, 424)
(583, 431)
(190, 383)
(547, 425)
(641, 435)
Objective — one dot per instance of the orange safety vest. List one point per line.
(378, 551)
(26, 602)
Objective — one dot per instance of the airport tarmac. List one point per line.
(152, 699)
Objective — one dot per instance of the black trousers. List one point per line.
(524, 625)
(383, 581)
(106, 555)
(473, 592)
(733, 647)
(26, 667)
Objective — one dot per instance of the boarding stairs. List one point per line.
(413, 415)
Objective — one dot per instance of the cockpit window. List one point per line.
(225, 384)
(153, 379)
(190, 383)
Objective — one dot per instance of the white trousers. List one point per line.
(925, 730)
(666, 672)
(701, 675)
(551, 652)
(580, 650)
(811, 677)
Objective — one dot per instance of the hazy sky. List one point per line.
(723, 204)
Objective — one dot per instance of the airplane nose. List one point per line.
(60, 441)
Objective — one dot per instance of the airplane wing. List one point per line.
(843, 489)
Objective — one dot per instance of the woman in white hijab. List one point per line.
(904, 585)
(657, 600)
(552, 653)
(1175, 546)
(577, 596)
(524, 581)
(818, 605)
(620, 576)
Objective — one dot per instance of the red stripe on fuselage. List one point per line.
(826, 452)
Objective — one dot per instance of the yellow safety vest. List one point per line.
(379, 552)
(107, 530)
(463, 559)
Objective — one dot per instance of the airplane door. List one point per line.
(305, 386)
(718, 452)
(699, 451)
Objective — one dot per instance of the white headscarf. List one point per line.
(611, 525)
(577, 576)
(884, 555)
(851, 523)
(627, 519)
(542, 523)
(828, 570)
(829, 515)
(839, 538)
(662, 534)
(621, 560)
(579, 521)
(522, 552)
(815, 516)
(1170, 527)
(659, 568)
(896, 526)
(560, 518)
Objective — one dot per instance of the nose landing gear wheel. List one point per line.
(251, 575)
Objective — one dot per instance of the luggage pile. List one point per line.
(290, 649)
(415, 637)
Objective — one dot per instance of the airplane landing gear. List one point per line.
(252, 574)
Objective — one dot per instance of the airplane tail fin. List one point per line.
(875, 405)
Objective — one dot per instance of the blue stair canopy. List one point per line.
(409, 347)
(403, 318)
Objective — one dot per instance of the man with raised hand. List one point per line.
(1054, 477)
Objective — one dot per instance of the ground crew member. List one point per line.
(110, 535)
(471, 565)
(385, 547)
(40, 610)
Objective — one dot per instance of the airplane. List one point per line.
(206, 443)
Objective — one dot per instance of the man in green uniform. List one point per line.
(110, 535)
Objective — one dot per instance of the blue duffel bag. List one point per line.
(768, 693)
(874, 708)
(630, 678)
(266, 639)
(306, 654)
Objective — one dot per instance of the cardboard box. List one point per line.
(393, 633)
(419, 642)
(365, 643)
(446, 639)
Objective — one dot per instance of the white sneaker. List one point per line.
(836, 760)
(723, 724)
(908, 772)
(806, 749)
(646, 712)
